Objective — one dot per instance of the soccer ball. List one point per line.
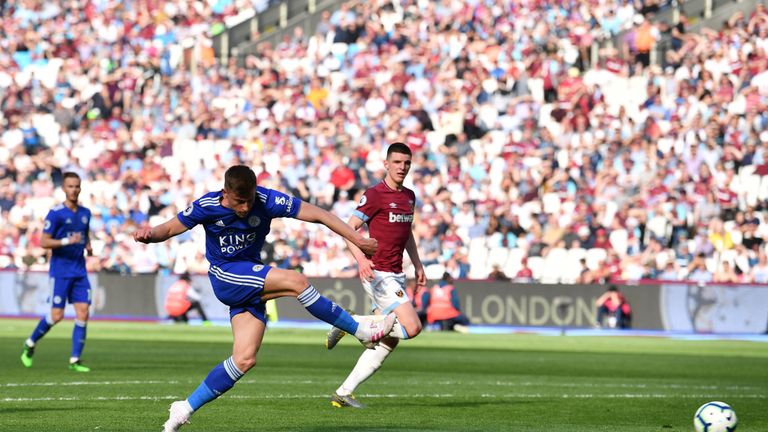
(715, 417)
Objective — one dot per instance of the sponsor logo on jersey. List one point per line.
(232, 243)
(395, 217)
(188, 210)
(363, 200)
(254, 221)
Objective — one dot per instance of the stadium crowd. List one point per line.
(532, 161)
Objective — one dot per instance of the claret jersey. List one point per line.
(389, 215)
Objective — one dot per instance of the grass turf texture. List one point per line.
(438, 382)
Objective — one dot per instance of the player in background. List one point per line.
(237, 220)
(388, 209)
(66, 234)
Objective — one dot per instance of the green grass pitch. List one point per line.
(437, 382)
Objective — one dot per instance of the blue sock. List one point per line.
(42, 328)
(78, 338)
(322, 308)
(220, 379)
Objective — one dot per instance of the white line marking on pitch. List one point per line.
(83, 383)
(389, 396)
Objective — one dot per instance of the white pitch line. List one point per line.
(84, 383)
(619, 385)
(391, 396)
(441, 382)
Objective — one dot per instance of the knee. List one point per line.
(413, 328)
(244, 363)
(57, 315)
(298, 284)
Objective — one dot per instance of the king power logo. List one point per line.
(232, 243)
(395, 217)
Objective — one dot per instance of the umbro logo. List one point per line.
(220, 223)
(392, 205)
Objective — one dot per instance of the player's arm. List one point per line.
(311, 213)
(413, 253)
(48, 242)
(364, 264)
(172, 227)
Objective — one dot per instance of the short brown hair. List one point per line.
(70, 174)
(398, 147)
(240, 179)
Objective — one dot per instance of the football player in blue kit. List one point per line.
(236, 221)
(66, 234)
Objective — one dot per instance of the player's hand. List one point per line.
(368, 246)
(421, 279)
(75, 238)
(143, 235)
(365, 268)
(89, 249)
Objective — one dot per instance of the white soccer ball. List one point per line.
(715, 417)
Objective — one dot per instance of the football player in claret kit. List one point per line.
(237, 220)
(388, 209)
(66, 234)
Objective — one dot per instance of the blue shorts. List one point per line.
(72, 290)
(240, 285)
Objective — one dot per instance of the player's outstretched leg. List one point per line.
(366, 331)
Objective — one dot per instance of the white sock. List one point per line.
(398, 331)
(73, 360)
(368, 363)
(30, 343)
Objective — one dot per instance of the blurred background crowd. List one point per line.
(533, 159)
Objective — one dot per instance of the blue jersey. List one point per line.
(68, 261)
(230, 238)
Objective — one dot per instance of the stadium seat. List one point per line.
(434, 271)
(595, 257)
(536, 264)
(619, 239)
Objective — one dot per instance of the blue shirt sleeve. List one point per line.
(193, 215)
(50, 223)
(278, 204)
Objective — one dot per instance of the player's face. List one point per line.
(240, 204)
(71, 187)
(397, 166)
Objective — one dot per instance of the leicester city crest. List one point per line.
(254, 221)
(84, 219)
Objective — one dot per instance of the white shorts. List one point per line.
(387, 290)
